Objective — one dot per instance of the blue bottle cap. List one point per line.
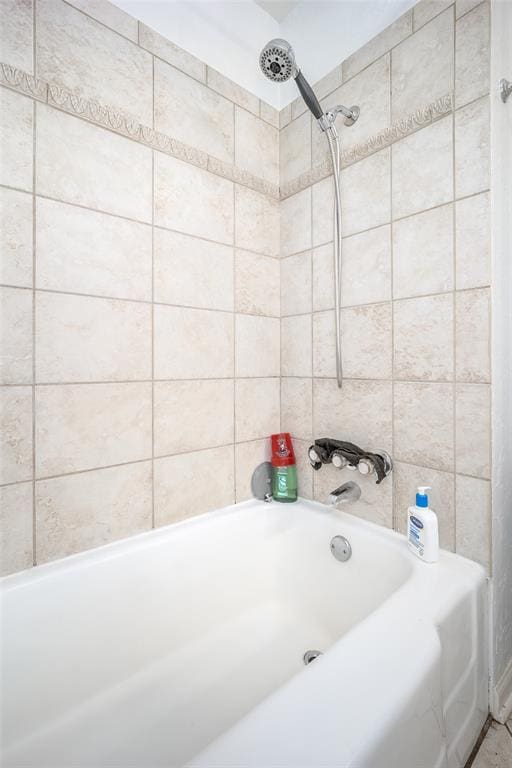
(421, 496)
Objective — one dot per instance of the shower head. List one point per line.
(277, 62)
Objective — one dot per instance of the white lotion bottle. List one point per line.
(422, 528)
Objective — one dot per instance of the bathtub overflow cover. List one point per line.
(341, 549)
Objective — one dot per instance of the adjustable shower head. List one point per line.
(277, 62)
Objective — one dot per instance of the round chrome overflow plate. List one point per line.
(341, 549)
(310, 656)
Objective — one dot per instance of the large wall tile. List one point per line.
(192, 200)
(366, 267)
(423, 415)
(295, 148)
(323, 211)
(324, 345)
(379, 45)
(256, 146)
(296, 223)
(192, 343)
(472, 335)
(472, 148)
(296, 284)
(89, 509)
(109, 15)
(256, 221)
(473, 233)
(370, 91)
(78, 162)
(323, 277)
(15, 238)
(15, 528)
(191, 415)
(16, 139)
(464, 6)
(15, 434)
(406, 478)
(473, 429)
(426, 10)
(359, 412)
(192, 272)
(175, 476)
(423, 169)
(15, 336)
(256, 284)
(423, 334)
(472, 56)
(256, 346)
(247, 457)
(422, 66)
(17, 34)
(473, 514)
(423, 253)
(79, 338)
(257, 406)
(232, 91)
(84, 426)
(79, 53)
(82, 251)
(192, 113)
(165, 49)
(375, 503)
(296, 346)
(297, 407)
(269, 114)
(365, 193)
(366, 341)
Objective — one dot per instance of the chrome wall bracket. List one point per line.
(505, 89)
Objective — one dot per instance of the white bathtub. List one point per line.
(184, 646)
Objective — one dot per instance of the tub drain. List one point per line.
(310, 656)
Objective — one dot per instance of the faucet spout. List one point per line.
(347, 492)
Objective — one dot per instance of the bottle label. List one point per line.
(281, 483)
(415, 527)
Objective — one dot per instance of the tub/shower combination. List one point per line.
(184, 646)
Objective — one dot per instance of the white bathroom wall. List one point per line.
(501, 161)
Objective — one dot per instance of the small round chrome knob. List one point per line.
(365, 467)
(338, 460)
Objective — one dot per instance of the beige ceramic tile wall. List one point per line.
(140, 294)
(415, 277)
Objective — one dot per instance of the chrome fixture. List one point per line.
(310, 656)
(341, 549)
(505, 89)
(347, 492)
(344, 455)
(277, 62)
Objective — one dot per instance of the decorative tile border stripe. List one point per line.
(125, 125)
(23, 82)
(401, 128)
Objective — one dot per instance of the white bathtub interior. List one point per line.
(145, 651)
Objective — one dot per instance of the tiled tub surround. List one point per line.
(139, 282)
(415, 277)
(137, 243)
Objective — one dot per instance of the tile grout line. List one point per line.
(34, 266)
(394, 520)
(454, 267)
(152, 307)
